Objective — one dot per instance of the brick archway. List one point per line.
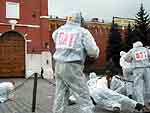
(12, 54)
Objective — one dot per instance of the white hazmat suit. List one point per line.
(107, 98)
(73, 44)
(127, 73)
(118, 84)
(139, 58)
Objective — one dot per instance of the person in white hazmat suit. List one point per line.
(139, 58)
(5, 91)
(127, 73)
(118, 84)
(109, 99)
(73, 44)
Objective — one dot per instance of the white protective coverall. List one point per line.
(139, 58)
(73, 44)
(5, 88)
(118, 84)
(127, 73)
(107, 98)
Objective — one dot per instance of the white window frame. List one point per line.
(12, 10)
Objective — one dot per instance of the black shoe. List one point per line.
(93, 101)
(130, 97)
(116, 110)
(139, 106)
(71, 102)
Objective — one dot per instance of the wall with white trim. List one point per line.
(36, 62)
(46, 64)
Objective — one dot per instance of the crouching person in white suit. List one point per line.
(109, 99)
(5, 91)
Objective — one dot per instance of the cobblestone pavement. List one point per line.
(44, 102)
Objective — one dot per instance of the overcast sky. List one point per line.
(102, 9)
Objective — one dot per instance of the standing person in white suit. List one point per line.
(73, 44)
(127, 73)
(139, 58)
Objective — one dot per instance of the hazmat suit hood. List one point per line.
(74, 18)
(92, 75)
(122, 53)
(137, 44)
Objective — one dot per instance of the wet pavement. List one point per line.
(44, 98)
(23, 97)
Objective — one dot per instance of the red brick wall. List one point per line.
(2, 10)
(30, 12)
(44, 25)
(27, 7)
(101, 36)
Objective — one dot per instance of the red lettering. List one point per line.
(71, 39)
(145, 54)
(137, 55)
(66, 39)
(140, 55)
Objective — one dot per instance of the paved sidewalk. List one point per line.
(23, 97)
(44, 102)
